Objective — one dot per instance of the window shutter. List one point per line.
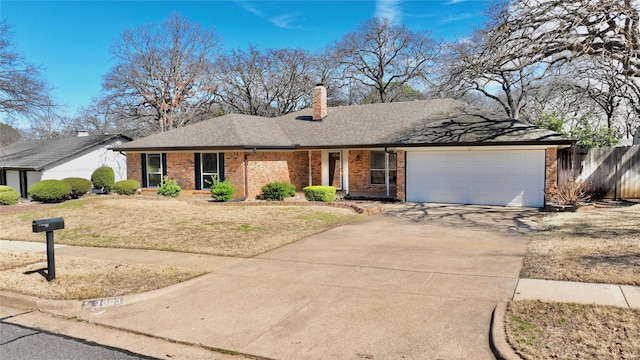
(164, 165)
(145, 183)
(198, 173)
(221, 166)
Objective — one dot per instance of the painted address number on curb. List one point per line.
(94, 304)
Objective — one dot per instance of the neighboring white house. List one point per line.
(24, 163)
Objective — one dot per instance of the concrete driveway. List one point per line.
(418, 282)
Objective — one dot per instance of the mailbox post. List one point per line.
(48, 226)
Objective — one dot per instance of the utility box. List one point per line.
(46, 225)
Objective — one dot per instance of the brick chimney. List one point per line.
(319, 99)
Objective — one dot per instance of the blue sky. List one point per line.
(71, 39)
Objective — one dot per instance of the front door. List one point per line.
(335, 169)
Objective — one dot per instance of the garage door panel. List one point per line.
(507, 178)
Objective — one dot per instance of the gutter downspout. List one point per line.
(246, 170)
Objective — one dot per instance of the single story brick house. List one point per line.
(23, 163)
(442, 151)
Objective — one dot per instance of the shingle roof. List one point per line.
(416, 123)
(37, 154)
(231, 130)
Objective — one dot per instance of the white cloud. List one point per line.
(282, 21)
(452, 2)
(389, 9)
(248, 7)
(285, 21)
(454, 18)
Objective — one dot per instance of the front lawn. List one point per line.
(184, 224)
(539, 330)
(598, 246)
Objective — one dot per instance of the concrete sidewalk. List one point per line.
(578, 292)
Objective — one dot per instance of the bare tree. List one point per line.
(471, 67)
(380, 55)
(265, 83)
(103, 116)
(556, 31)
(48, 124)
(162, 74)
(601, 83)
(23, 89)
(8, 135)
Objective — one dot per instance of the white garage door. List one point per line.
(506, 178)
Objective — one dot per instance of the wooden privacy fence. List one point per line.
(613, 172)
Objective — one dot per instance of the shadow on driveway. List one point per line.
(520, 221)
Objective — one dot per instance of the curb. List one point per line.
(497, 337)
(27, 302)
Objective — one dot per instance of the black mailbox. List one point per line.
(47, 224)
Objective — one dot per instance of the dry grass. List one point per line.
(80, 278)
(538, 330)
(184, 224)
(598, 246)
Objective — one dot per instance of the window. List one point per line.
(378, 168)
(154, 170)
(209, 169)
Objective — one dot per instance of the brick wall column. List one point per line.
(134, 167)
(180, 166)
(400, 188)
(551, 170)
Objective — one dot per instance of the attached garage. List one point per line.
(480, 177)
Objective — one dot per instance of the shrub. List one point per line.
(571, 193)
(320, 193)
(126, 187)
(79, 186)
(222, 190)
(8, 195)
(103, 179)
(50, 191)
(169, 187)
(277, 191)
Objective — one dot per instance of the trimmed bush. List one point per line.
(4, 188)
(8, 195)
(222, 190)
(79, 186)
(320, 193)
(277, 191)
(169, 187)
(103, 179)
(50, 191)
(126, 187)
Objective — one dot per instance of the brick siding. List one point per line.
(267, 167)
(181, 167)
(551, 170)
(400, 188)
(234, 171)
(359, 176)
(134, 167)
